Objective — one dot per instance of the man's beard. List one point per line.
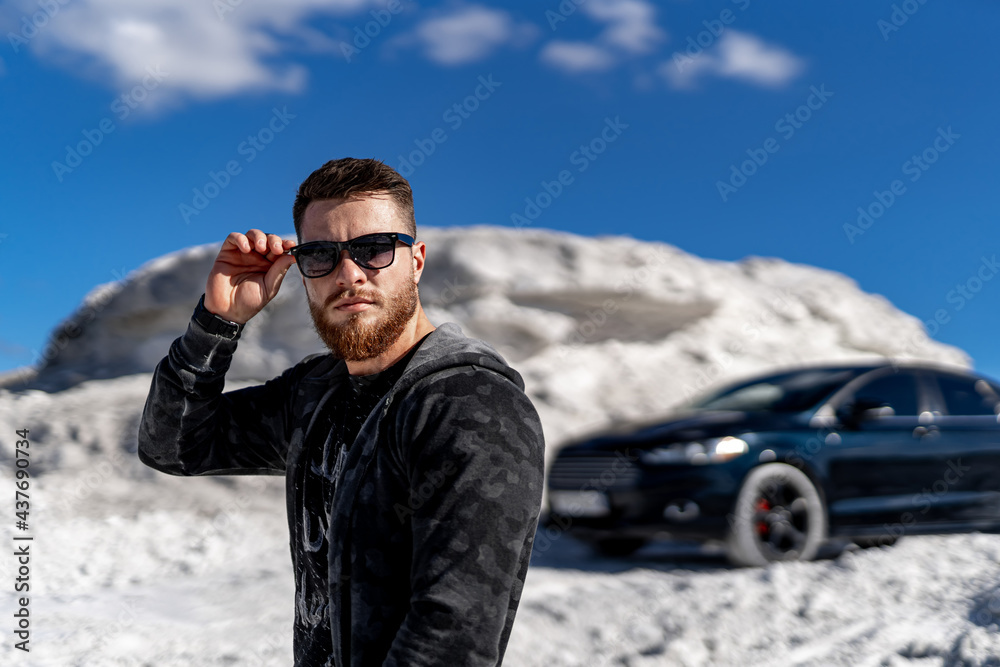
(361, 336)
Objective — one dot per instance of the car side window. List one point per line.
(898, 391)
(968, 396)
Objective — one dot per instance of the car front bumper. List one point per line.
(600, 495)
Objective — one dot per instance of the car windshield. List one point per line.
(788, 392)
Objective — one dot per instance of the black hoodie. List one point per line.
(436, 501)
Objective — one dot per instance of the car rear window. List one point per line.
(968, 396)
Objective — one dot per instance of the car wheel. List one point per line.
(778, 516)
(619, 546)
(878, 541)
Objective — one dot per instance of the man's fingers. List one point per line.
(258, 240)
(272, 281)
(275, 244)
(241, 284)
(239, 241)
(260, 252)
(263, 243)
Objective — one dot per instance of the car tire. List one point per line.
(778, 516)
(618, 547)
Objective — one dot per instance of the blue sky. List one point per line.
(728, 128)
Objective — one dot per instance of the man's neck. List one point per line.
(418, 327)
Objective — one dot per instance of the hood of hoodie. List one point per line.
(447, 347)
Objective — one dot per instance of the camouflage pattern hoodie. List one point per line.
(434, 513)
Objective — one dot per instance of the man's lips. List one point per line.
(352, 305)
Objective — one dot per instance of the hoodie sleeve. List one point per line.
(475, 464)
(190, 427)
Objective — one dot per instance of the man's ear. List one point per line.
(419, 250)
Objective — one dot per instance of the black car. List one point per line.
(776, 465)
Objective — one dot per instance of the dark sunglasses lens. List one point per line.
(315, 262)
(376, 254)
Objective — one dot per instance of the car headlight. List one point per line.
(711, 450)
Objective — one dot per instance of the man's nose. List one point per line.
(347, 272)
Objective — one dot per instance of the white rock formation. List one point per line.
(601, 328)
(134, 567)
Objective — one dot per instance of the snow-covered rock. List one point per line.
(133, 567)
(600, 328)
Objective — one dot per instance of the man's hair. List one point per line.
(352, 178)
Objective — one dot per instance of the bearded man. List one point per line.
(413, 460)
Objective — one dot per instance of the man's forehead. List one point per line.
(356, 215)
(375, 202)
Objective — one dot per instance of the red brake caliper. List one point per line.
(762, 506)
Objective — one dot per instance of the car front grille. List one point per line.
(611, 471)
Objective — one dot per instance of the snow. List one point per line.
(927, 597)
(186, 587)
(133, 567)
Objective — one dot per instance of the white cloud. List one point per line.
(209, 48)
(577, 57)
(465, 34)
(630, 30)
(631, 24)
(737, 55)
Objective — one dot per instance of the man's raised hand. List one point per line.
(247, 274)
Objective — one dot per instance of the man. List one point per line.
(412, 458)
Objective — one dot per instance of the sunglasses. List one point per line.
(371, 251)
